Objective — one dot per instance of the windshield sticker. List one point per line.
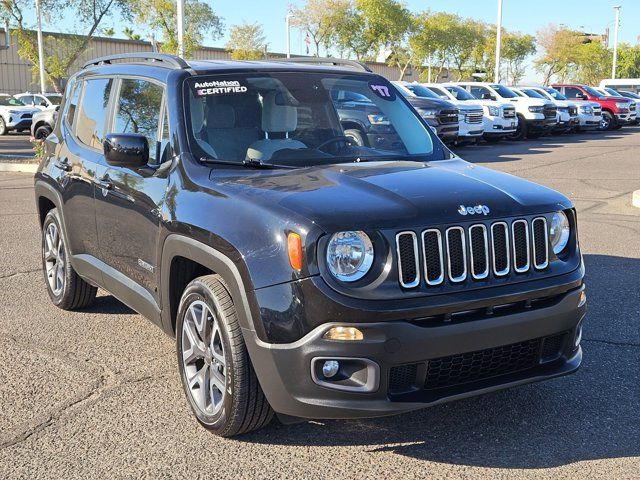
(383, 91)
(217, 87)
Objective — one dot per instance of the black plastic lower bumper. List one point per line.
(288, 372)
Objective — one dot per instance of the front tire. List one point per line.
(357, 137)
(66, 288)
(608, 122)
(218, 379)
(521, 130)
(42, 132)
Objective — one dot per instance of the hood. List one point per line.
(20, 108)
(388, 194)
(423, 102)
(532, 102)
(466, 106)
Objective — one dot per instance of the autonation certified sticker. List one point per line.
(219, 87)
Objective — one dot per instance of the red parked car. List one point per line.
(616, 111)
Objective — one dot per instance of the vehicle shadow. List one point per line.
(110, 305)
(586, 416)
(507, 151)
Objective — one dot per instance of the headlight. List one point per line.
(586, 109)
(13, 112)
(349, 255)
(559, 232)
(378, 120)
(493, 111)
(536, 109)
(622, 105)
(427, 112)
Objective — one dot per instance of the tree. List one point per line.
(109, 31)
(199, 20)
(628, 61)
(559, 46)
(318, 18)
(62, 52)
(516, 47)
(435, 38)
(247, 42)
(592, 63)
(130, 34)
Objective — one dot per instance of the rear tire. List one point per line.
(357, 136)
(42, 132)
(65, 287)
(212, 357)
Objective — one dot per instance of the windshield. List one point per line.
(460, 93)
(300, 119)
(555, 93)
(529, 92)
(503, 91)
(630, 94)
(54, 99)
(10, 102)
(420, 91)
(611, 91)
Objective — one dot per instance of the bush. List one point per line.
(38, 147)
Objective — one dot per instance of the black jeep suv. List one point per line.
(299, 272)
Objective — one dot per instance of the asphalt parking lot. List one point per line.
(96, 394)
(15, 145)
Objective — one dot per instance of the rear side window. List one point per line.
(92, 115)
(138, 111)
(71, 104)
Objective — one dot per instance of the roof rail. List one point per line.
(325, 60)
(163, 59)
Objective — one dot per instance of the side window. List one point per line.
(92, 115)
(39, 101)
(479, 91)
(138, 111)
(572, 92)
(72, 103)
(165, 142)
(26, 100)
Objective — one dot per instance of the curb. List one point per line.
(635, 199)
(18, 167)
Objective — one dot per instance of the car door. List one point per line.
(130, 203)
(77, 159)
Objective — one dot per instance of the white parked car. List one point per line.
(498, 118)
(14, 115)
(589, 113)
(535, 116)
(567, 116)
(39, 101)
(469, 116)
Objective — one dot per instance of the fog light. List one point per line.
(330, 368)
(583, 299)
(343, 333)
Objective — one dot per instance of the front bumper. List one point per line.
(470, 130)
(588, 122)
(18, 123)
(499, 125)
(625, 118)
(285, 370)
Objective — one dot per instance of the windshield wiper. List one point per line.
(381, 158)
(245, 163)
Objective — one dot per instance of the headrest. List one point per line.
(221, 116)
(277, 116)
(197, 113)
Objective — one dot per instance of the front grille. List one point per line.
(509, 112)
(474, 116)
(25, 115)
(474, 366)
(550, 111)
(402, 378)
(448, 116)
(408, 268)
(477, 251)
(597, 110)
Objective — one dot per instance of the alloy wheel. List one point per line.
(54, 258)
(203, 358)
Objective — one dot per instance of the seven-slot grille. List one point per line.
(550, 111)
(473, 116)
(476, 251)
(509, 112)
(448, 116)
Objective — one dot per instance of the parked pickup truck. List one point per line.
(616, 111)
(535, 116)
(589, 113)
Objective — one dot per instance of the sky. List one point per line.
(525, 16)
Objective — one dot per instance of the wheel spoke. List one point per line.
(59, 277)
(196, 348)
(217, 379)
(198, 387)
(216, 344)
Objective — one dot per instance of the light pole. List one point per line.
(615, 42)
(496, 75)
(43, 83)
(180, 15)
(287, 22)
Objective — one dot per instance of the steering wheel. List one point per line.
(339, 138)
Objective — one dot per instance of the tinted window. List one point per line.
(572, 92)
(555, 93)
(503, 91)
(40, 101)
(54, 99)
(92, 114)
(73, 94)
(138, 111)
(26, 100)
(479, 91)
(420, 91)
(460, 93)
(532, 93)
(10, 101)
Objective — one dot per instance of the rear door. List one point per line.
(129, 207)
(78, 158)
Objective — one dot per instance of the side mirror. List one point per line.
(128, 150)
(487, 96)
(57, 108)
(581, 96)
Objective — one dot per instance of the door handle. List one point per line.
(63, 165)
